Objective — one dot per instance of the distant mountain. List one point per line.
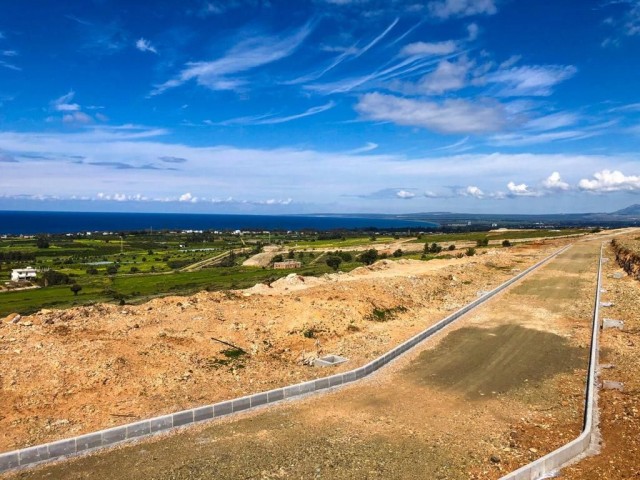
(631, 210)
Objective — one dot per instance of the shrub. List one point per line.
(452, 247)
(277, 258)
(345, 256)
(333, 262)
(397, 253)
(42, 242)
(53, 277)
(506, 243)
(470, 252)
(483, 242)
(368, 257)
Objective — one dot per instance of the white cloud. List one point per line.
(447, 76)
(405, 194)
(520, 190)
(461, 8)
(610, 181)
(187, 197)
(472, 32)
(553, 121)
(248, 54)
(535, 80)
(63, 103)
(450, 116)
(144, 45)
(554, 182)
(434, 48)
(81, 162)
(76, 117)
(272, 120)
(473, 191)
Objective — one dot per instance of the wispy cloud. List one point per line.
(375, 41)
(366, 148)
(144, 45)
(63, 103)
(348, 53)
(249, 54)
(461, 8)
(449, 116)
(173, 159)
(535, 80)
(433, 48)
(270, 119)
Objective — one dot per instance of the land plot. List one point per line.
(396, 424)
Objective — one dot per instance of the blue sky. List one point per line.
(247, 106)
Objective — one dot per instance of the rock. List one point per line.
(12, 318)
(494, 459)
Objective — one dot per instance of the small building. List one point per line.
(287, 264)
(22, 274)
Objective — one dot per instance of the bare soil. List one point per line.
(67, 372)
(619, 457)
(416, 418)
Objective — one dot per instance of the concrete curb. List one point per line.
(550, 463)
(83, 444)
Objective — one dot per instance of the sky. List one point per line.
(320, 106)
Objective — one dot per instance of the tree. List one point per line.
(434, 248)
(506, 243)
(53, 277)
(75, 288)
(42, 242)
(277, 258)
(92, 271)
(291, 255)
(345, 256)
(368, 257)
(334, 262)
(112, 269)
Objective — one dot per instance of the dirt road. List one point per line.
(502, 388)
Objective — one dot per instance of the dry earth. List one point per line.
(620, 362)
(460, 408)
(74, 371)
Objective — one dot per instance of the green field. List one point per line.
(135, 267)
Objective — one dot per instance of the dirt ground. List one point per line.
(459, 407)
(67, 372)
(620, 362)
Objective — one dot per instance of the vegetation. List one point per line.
(333, 261)
(386, 314)
(136, 266)
(368, 257)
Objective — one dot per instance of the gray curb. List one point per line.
(546, 466)
(83, 444)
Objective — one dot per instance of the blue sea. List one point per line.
(29, 223)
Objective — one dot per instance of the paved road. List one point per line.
(472, 394)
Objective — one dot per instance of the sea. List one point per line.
(31, 223)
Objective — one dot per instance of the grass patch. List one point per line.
(385, 314)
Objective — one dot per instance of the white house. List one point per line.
(18, 274)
